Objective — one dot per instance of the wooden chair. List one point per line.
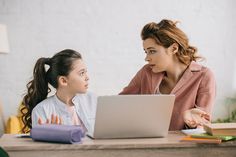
(14, 123)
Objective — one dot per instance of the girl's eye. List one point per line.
(82, 73)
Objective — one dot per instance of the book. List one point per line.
(207, 136)
(199, 135)
(228, 129)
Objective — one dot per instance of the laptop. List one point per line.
(132, 116)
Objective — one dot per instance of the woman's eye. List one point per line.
(152, 51)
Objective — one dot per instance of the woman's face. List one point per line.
(77, 80)
(158, 57)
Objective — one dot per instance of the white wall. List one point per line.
(107, 33)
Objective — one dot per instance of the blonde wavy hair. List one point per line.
(165, 33)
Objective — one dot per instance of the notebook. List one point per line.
(221, 129)
(132, 116)
(199, 135)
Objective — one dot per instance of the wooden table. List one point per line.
(158, 147)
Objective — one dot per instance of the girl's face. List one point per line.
(77, 80)
(158, 57)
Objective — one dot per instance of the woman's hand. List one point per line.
(54, 120)
(196, 118)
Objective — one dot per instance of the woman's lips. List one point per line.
(151, 65)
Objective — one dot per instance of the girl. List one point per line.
(172, 69)
(70, 105)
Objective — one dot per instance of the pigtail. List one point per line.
(37, 91)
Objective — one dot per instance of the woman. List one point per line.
(172, 69)
(71, 105)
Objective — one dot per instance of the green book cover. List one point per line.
(222, 137)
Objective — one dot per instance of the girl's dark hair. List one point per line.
(37, 89)
(165, 33)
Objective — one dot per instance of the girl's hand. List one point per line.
(196, 118)
(54, 120)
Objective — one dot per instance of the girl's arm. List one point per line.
(40, 116)
(37, 114)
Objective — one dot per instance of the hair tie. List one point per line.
(48, 61)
